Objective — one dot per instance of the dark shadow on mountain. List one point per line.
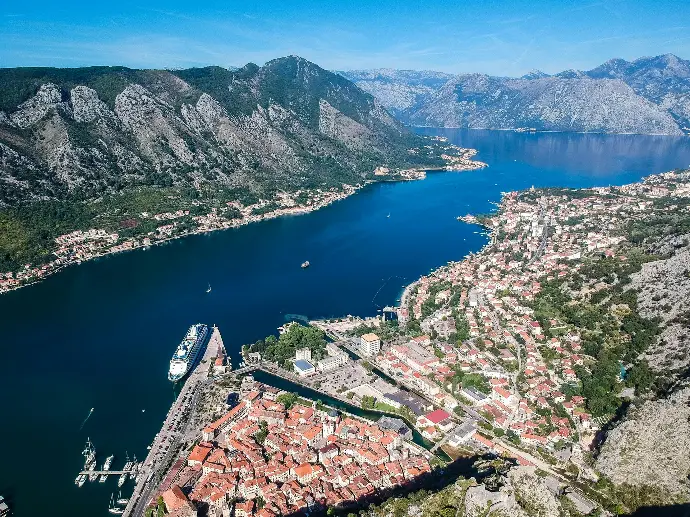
(432, 482)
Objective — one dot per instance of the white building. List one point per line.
(304, 354)
(331, 362)
(304, 368)
(370, 344)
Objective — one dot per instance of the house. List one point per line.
(422, 340)
(331, 362)
(387, 423)
(439, 418)
(305, 473)
(198, 455)
(404, 398)
(178, 503)
(304, 354)
(473, 395)
(245, 509)
(503, 395)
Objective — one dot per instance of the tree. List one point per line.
(261, 435)
(641, 377)
(287, 399)
(368, 402)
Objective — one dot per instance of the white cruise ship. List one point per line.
(187, 352)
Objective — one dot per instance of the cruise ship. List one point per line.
(187, 352)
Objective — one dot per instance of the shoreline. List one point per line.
(349, 190)
(548, 131)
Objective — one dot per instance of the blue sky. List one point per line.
(508, 37)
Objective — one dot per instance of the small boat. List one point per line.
(106, 467)
(112, 508)
(89, 453)
(209, 288)
(305, 264)
(135, 469)
(122, 500)
(81, 479)
(4, 509)
(126, 469)
(389, 214)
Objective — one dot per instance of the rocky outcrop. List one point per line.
(664, 80)
(523, 494)
(87, 107)
(650, 448)
(48, 98)
(664, 292)
(340, 127)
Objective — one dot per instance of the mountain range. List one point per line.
(650, 95)
(80, 133)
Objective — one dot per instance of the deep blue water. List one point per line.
(101, 334)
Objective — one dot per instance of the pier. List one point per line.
(107, 472)
(170, 439)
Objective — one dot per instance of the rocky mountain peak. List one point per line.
(535, 74)
(87, 107)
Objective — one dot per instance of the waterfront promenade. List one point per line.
(170, 439)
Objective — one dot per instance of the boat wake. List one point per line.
(87, 417)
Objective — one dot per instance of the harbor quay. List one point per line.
(173, 434)
(271, 452)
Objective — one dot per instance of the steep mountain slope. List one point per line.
(649, 95)
(664, 80)
(549, 103)
(80, 133)
(401, 91)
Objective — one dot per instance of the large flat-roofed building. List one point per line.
(304, 368)
(462, 433)
(331, 362)
(416, 357)
(395, 424)
(370, 344)
(417, 405)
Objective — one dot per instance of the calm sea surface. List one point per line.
(101, 334)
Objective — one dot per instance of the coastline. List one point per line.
(43, 272)
(515, 130)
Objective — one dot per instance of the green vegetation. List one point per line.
(612, 330)
(461, 380)
(260, 436)
(287, 399)
(282, 350)
(19, 84)
(103, 195)
(28, 232)
(158, 510)
(371, 403)
(386, 331)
